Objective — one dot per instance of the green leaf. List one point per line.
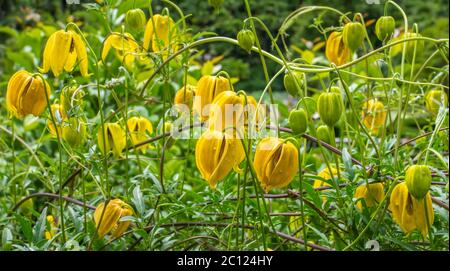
(39, 228)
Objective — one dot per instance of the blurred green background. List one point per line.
(431, 17)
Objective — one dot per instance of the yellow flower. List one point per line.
(227, 111)
(124, 45)
(409, 212)
(139, 127)
(434, 99)
(208, 87)
(25, 94)
(185, 95)
(63, 50)
(108, 220)
(216, 154)
(374, 115)
(58, 116)
(115, 139)
(325, 175)
(371, 194)
(335, 50)
(49, 234)
(164, 35)
(275, 162)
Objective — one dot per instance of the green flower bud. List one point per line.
(71, 100)
(353, 35)
(330, 107)
(74, 132)
(323, 133)
(246, 39)
(290, 80)
(385, 27)
(135, 19)
(298, 121)
(418, 180)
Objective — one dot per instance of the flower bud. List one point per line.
(372, 194)
(216, 154)
(275, 162)
(139, 129)
(208, 87)
(374, 115)
(115, 139)
(26, 207)
(414, 45)
(418, 180)
(385, 27)
(52, 227)
(323, 133)
(185, 95)
(409, 212)
(353, 35)
(246, 39)
(107, 219)
(25, 94)
(434, 99)
(335, 50)
(71, 100)
(330, 107)
(292, 80)
(74, 131)
(135, 19)
(298, 121)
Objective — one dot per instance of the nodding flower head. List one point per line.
(107, 217)
(25, 94)
(115, 139)
(63, 50)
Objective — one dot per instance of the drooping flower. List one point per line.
(208, 87)
(139, 128)
(58, 116)
(275, 162)
(25, 94)
(115, 139)
(216, 154)
(160, 33)
(185, 95)
(335, 49)
(410, 213)
(63, 50)
(325, 174)
(107, 219)
(374, 115)
(124, 46)
(372, 194)
(434, 99)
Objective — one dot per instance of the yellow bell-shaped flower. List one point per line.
(185, 95)
(208, 87)
(374, 115)
(139, 128)
(160, 33)
(216, 154)
(372, 194)
(335, 49)
(63, 50)
(275, 162)
(25, 94)
(107, 219)
(408, 212)
(52, 227)
(124, 45)
(227, 110)
(115, 139)
(325, 174)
